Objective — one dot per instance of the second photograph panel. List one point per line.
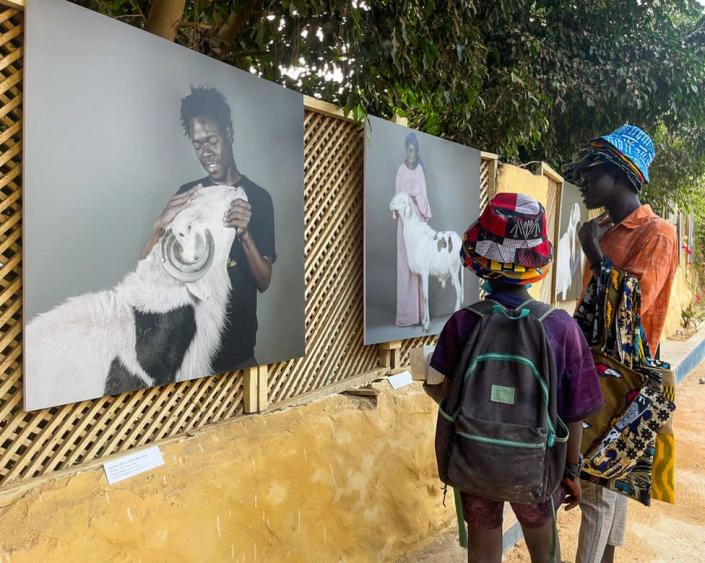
(421, 193)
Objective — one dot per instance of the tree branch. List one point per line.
(164, 18)
(236, 21)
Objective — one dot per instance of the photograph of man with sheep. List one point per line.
(421, 193)
(163, 213)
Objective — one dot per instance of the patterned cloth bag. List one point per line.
(636, 485)
(619, 440)
(639, 482)
(664, 470)
(620, 384)
(630, 436)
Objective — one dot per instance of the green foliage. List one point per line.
(693, 315)
(528, 79)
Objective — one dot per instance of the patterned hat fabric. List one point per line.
(634, 144)
(509, 241)
(628, 148)
(507, 273)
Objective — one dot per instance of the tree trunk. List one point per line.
(164, 18)
(235, 22)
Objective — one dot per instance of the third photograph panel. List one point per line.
(569, 254)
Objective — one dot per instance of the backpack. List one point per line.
(498, 434)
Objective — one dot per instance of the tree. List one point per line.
(531, 80)
(524, 78)
(165, 17)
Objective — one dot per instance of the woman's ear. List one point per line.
(229, 133)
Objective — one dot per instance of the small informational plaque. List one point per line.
(400, 380)
(132, 464)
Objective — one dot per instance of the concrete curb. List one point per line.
(511, 537)
(685, 356)
(691, 361)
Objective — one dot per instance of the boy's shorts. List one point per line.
(486, 514)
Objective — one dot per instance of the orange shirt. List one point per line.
(646, 246)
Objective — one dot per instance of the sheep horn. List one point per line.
(186, 272)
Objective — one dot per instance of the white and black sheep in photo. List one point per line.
(162, 323)
(429, 253)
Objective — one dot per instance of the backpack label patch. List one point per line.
(504, 395)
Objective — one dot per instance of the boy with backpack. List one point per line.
(519, 379)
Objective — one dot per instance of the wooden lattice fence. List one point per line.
(42, 442)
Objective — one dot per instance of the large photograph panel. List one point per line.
(569, 253)
(163, 211)
(421, 193)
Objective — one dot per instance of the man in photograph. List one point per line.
(207, 121)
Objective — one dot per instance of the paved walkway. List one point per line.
(685, 355)
(660, 533)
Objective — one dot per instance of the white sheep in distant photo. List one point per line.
(162, 323)
(569, 255)
(429, 253)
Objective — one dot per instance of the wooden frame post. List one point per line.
(255, 387)
(390, 354)
(399, 120)
(548, 172)
(492, 166)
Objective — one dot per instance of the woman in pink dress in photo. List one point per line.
(410, 179)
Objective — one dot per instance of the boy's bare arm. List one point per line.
(576, 438)
(572, 486)
(438, 392)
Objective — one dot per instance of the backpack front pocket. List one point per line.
(498, 460)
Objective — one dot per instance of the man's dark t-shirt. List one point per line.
(237, 346)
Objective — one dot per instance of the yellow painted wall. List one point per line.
(339, 479)
(681, 298)
(512, 179)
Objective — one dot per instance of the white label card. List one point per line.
(132, 464)
(400, 380)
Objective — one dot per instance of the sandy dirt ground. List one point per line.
(659, 533)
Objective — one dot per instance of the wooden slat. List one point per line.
(15, 4)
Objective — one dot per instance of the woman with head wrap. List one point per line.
(412, 180)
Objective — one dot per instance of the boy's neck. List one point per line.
(517, 291)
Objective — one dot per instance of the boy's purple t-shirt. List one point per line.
(579, 393)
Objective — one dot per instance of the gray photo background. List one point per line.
(570, 196)
(453, 186)
(104, 151)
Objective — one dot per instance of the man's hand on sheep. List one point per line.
(238, 216)
(175, 205)
(172, 209)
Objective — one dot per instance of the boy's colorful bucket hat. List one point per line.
(509, 241)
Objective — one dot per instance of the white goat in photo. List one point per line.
(569, 256)
(161, 323)
(429, 253)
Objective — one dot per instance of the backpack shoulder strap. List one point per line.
(538, 310)
(482, 308)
